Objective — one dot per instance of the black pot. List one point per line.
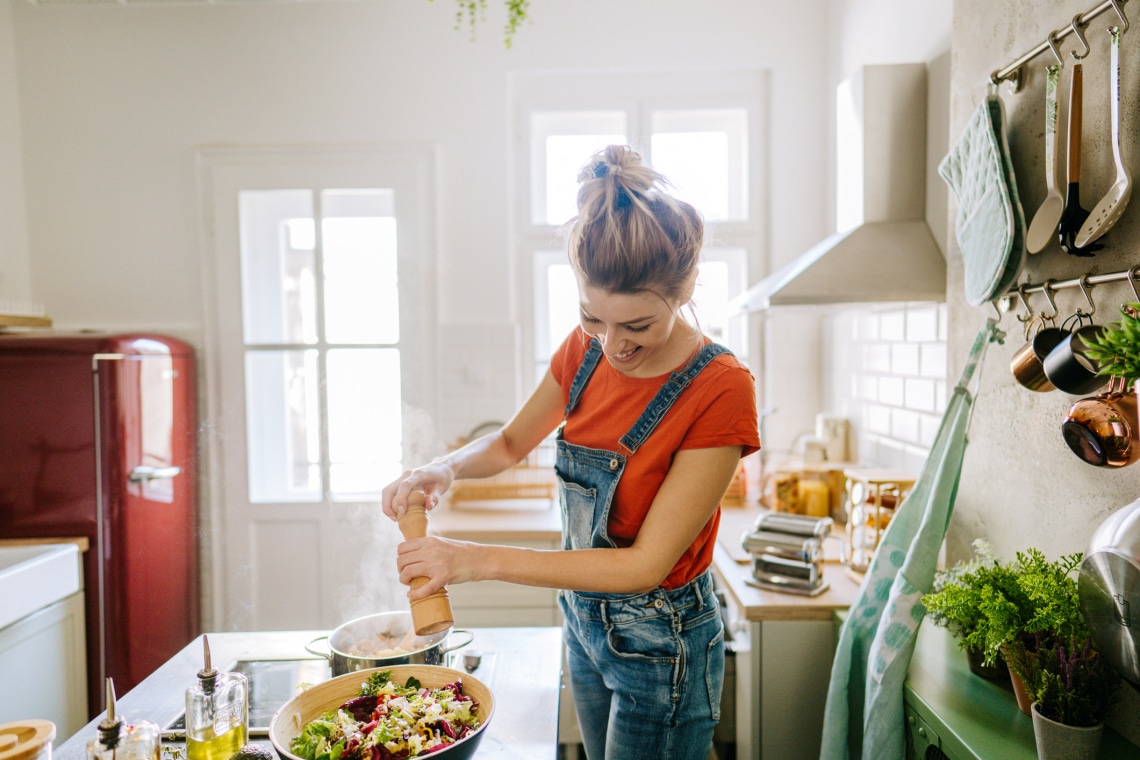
(345, 656)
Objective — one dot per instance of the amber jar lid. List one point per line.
(25, 739)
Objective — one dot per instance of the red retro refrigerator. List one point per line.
(98, 439)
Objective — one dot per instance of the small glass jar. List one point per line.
(26, 740)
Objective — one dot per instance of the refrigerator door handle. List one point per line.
(144, 474)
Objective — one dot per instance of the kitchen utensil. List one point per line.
(1027, 363)
(345, 643)
(310, 704)
(1048, 214)
(1112, 205)
(1074, 216)
(1069, 367)
(1102, 429)
(1109, 590)
(431, 614)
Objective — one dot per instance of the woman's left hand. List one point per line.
(442, 561)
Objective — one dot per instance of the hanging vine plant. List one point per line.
(470, 12)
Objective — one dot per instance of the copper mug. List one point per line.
(1027, 364)
(1102, 429)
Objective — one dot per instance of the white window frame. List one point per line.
(638, 95)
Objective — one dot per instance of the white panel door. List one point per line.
(320, 339)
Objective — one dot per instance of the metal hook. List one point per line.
(1079, 27)
(1133, 276)
(1083, 282)
(1047, 289)
(1054, 45)
(1025, 302)
(1116, 6)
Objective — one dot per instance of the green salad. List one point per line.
(390, 721)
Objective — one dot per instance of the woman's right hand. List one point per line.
(433, 479)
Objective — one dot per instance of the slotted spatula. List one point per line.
(1112, 205)
(1074, 216)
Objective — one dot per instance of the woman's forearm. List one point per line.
(615, 571)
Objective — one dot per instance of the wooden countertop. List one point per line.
(80, 541)
(730, 562)
(524, 672)
(496, 521)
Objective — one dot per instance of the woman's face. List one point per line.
(639, 332)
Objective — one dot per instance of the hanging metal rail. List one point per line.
(1085, 282)
(1013, 72)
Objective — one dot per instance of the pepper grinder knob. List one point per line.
(431, 614)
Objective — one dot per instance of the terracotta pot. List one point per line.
(1056, 741)
(1024, 702)
(997, 672)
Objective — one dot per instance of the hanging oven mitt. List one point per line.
(990, 223)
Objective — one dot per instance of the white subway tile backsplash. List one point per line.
(868, 388)
(877, 357)
(891, 390)
(932, 360)
(904, 425)
(877, 418)
(892, 325)
(920, 394)
(922, 324)
(866, 326)
(896, 361)
(904, 359)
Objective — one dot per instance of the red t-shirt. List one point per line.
(717, 409)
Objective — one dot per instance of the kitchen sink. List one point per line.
(35, 576)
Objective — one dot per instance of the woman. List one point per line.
(653, 419)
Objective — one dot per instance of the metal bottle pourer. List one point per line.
(207, 676)
(111, 727)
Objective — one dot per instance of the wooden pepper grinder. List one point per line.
(431, 614)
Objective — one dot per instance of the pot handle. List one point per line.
(309, 648)
(470, 638)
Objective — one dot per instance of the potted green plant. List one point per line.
(954, 604)
(1117, 346)
(1073, 689)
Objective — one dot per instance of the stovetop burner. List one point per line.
(272, 683)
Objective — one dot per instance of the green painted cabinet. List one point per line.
(952, 713)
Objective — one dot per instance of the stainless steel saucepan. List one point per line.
(384, 639)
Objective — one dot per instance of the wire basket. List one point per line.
(532, 478)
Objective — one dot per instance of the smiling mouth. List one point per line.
(626, 356)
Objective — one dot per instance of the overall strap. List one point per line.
(671, 389)
(582, 377)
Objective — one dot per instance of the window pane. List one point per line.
(704, 154)
(282, 426)
(563, 308)
(364, 420)
(561, 143)
(277, 266)
(359, 258)
(721, 277)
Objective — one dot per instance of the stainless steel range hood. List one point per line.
(886, 251)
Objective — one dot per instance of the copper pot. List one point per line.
(1102, 429)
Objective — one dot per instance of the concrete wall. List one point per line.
(1021, 486)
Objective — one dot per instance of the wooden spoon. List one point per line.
(1048, 215)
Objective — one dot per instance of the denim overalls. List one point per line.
(646, 669)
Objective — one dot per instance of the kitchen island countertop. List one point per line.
(521, 666)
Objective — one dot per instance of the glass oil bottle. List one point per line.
(118, 740)
(217, 713)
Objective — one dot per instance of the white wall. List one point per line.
(15, 282)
